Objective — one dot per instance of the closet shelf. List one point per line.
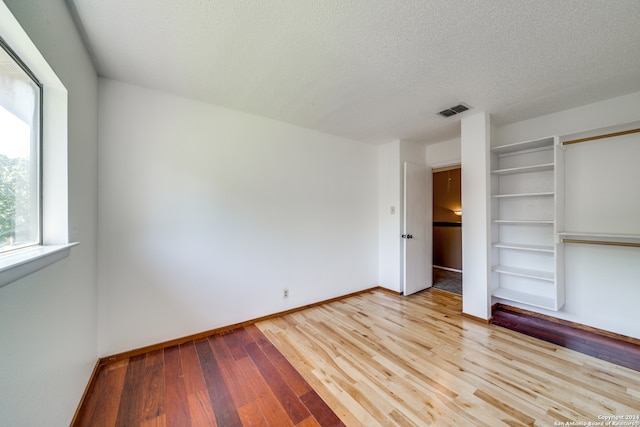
(521, 272)
(524, 222)
(541, 194)
(523, 247)
(524, 169)
(525, 145)
(526, 298)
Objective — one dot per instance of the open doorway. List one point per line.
(447, 229)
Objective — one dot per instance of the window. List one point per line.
(20, 131)
(33, 146)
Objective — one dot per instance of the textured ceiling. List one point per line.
(371, 70)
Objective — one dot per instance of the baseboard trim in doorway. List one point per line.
(455, 270)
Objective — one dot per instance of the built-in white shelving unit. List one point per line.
(526, 215)
(537, 214)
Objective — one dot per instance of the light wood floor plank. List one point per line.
(382, 359)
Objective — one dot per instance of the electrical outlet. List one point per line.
(285, 293)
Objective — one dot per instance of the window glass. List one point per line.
(20, 121)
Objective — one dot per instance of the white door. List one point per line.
(417, 234)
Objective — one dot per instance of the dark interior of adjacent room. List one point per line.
(447, 229)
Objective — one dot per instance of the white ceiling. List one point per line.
(371, 70)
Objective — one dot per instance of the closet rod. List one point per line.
(599, 242)
(607, 135)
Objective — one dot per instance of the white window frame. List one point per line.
(35, 154)
(55, 219)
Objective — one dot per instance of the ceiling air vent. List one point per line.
(452, 111)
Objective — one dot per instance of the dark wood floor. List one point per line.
(232, 379)
(603, 347)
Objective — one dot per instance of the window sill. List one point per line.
(17, 265)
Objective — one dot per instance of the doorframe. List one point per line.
(443, 167)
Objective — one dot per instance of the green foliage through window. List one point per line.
(14, 199)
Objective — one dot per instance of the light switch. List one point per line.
(393, 210)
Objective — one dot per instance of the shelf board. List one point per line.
(524, 222)
(522, 247)
(541, 194)
(524, 169)
(526, 298)
(526, 145)
(521, 272)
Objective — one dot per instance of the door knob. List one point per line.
(407, 236)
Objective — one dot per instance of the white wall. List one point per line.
(602, 283)
(48, 320)
(208, 214)
(617, 110)
(390, 228)
(445, 153)
(414, 152)
(475, 138)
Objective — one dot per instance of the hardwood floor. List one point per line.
(380, 359)
(584, 341)
(375, 359)
(232, 379)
